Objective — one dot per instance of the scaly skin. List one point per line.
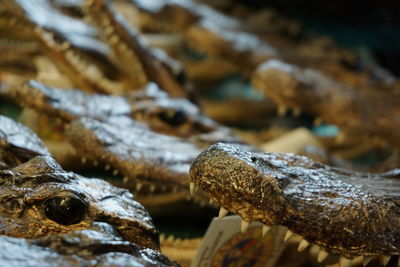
(363, 111)
(208, 31)
(97, 245)
(141, 62)
(72, 46)
(152, 106)
(18, 143)
(63, 217)
(29, 189)
(342, 211)
(136, 152)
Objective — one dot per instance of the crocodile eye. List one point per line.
(65, 209)
(172, 117)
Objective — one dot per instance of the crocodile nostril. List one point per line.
(253, 159)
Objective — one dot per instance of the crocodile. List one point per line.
(72, 45)
(313, 92)
(64, 217)
(134, 55)
(151, 106)
(136, 152)
(39, 199)
(343, 212)
(97, 245)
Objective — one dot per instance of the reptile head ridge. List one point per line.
(344, 212)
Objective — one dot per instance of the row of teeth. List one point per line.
(303, 244)
(116, 41)
(282, 110)
(138, 185)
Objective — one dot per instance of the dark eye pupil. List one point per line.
(65, 210)
(174, 118)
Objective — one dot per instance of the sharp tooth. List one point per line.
(302, 245)
(162, 237)
(222, 212)
(152, 188)
(95, 163)
(385, 260)
(322, 255)
(107, 167)
(125, 180)
(244, 225)
(265, 229)
(192, 188)
(340, 138)
(211, 201)
(344, 262)
(287, 235)
(115, 172)
(296, 112)
(83, 160)
(281, 110)
(170, 238)
(366, 260)
(139, 186)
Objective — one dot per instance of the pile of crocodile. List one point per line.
(121, 90)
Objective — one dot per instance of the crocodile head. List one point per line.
(343, 212)
(314, 93)
(39, 199)
(71, 44)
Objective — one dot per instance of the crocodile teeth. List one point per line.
(107, 167)
(152, 188)
(170, 238)
(265, 229)
(83, 160)
(222, 212)
(125, 180)
(162, 237)
(288, 235)
(322, 255)
(303, 245)
(95, 163)
(344, 262)
(192, 187)
(139, 186)
(385, 260)
(281, 110)
(244, 225)
(115, 172)
(340, 138)
(211, 201)
(366, 260)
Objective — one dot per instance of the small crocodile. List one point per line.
(139, 60)
(60, 216)
(314, 93)
(344, 212)
(38, 199)
(136, 152)
(72, 45)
